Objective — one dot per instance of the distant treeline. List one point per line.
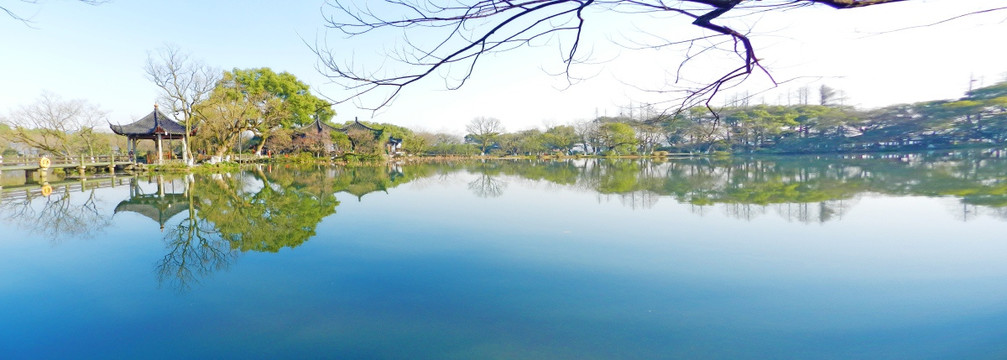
(977, 119)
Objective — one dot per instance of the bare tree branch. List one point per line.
(464, 31)
(27, 20)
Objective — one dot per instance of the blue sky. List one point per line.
(97, 53)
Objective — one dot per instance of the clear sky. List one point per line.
(97, 53)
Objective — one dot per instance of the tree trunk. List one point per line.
(258, 148)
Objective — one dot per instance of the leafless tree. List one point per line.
(484, 131)
(196, 249)
(487, 186)
(52, 124)
(587, 133)
(184, 82)
(465, 31)
(66, 217)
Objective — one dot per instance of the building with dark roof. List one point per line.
(155, 126)
(319, 131)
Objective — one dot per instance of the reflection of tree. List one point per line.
(802, 189)
(267, 210)
(744, 211)
(262, 210)
(487, 186)
(639, 199)
(362, 180)
(57, 217)
(278, 215)
(195, 250)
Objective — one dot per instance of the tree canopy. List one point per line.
(257, 100)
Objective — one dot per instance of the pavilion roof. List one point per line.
(357, 124)
(154, 123)
(154, 207)
(318, 126)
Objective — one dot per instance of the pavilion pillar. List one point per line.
(131, 146)
(160, 153)
(160, 186)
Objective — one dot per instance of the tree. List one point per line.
(617, 137)
(419, 142)
(648, 136)
(462, 33)
(54, 125)
(483, 131)
(223, 117)
(282, 101)
(826, 95)
(526, 142)
(184, 82)
(587, 135)
(364, 141)
(561, 138)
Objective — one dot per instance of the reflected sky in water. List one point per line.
(470, 260)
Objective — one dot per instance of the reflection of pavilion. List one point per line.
(365, 183)
(159, 206)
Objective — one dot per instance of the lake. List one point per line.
(888, 256)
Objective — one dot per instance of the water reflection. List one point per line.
(803, 189)
(410, 261)
(159, 205)
(208, 220)
(57, 212)
(195, 248)
(264, 209)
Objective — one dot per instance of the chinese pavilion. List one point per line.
(155, 126)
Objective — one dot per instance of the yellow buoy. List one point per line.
(46, 190)
(44, 163)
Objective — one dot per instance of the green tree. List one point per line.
(560, 138)
(531, 142)
(283, 101)
(618, 138)
(223, 117)
(419, 142)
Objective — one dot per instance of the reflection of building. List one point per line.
(369, 180)
(155, 126)
(159, 206)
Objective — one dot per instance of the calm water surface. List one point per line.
(902, 256)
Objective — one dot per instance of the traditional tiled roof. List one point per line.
(318, 126)
(154, 123)
(154, 207)
(357, 123)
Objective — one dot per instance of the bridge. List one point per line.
(41, 165)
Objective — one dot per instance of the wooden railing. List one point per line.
(41, 162)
